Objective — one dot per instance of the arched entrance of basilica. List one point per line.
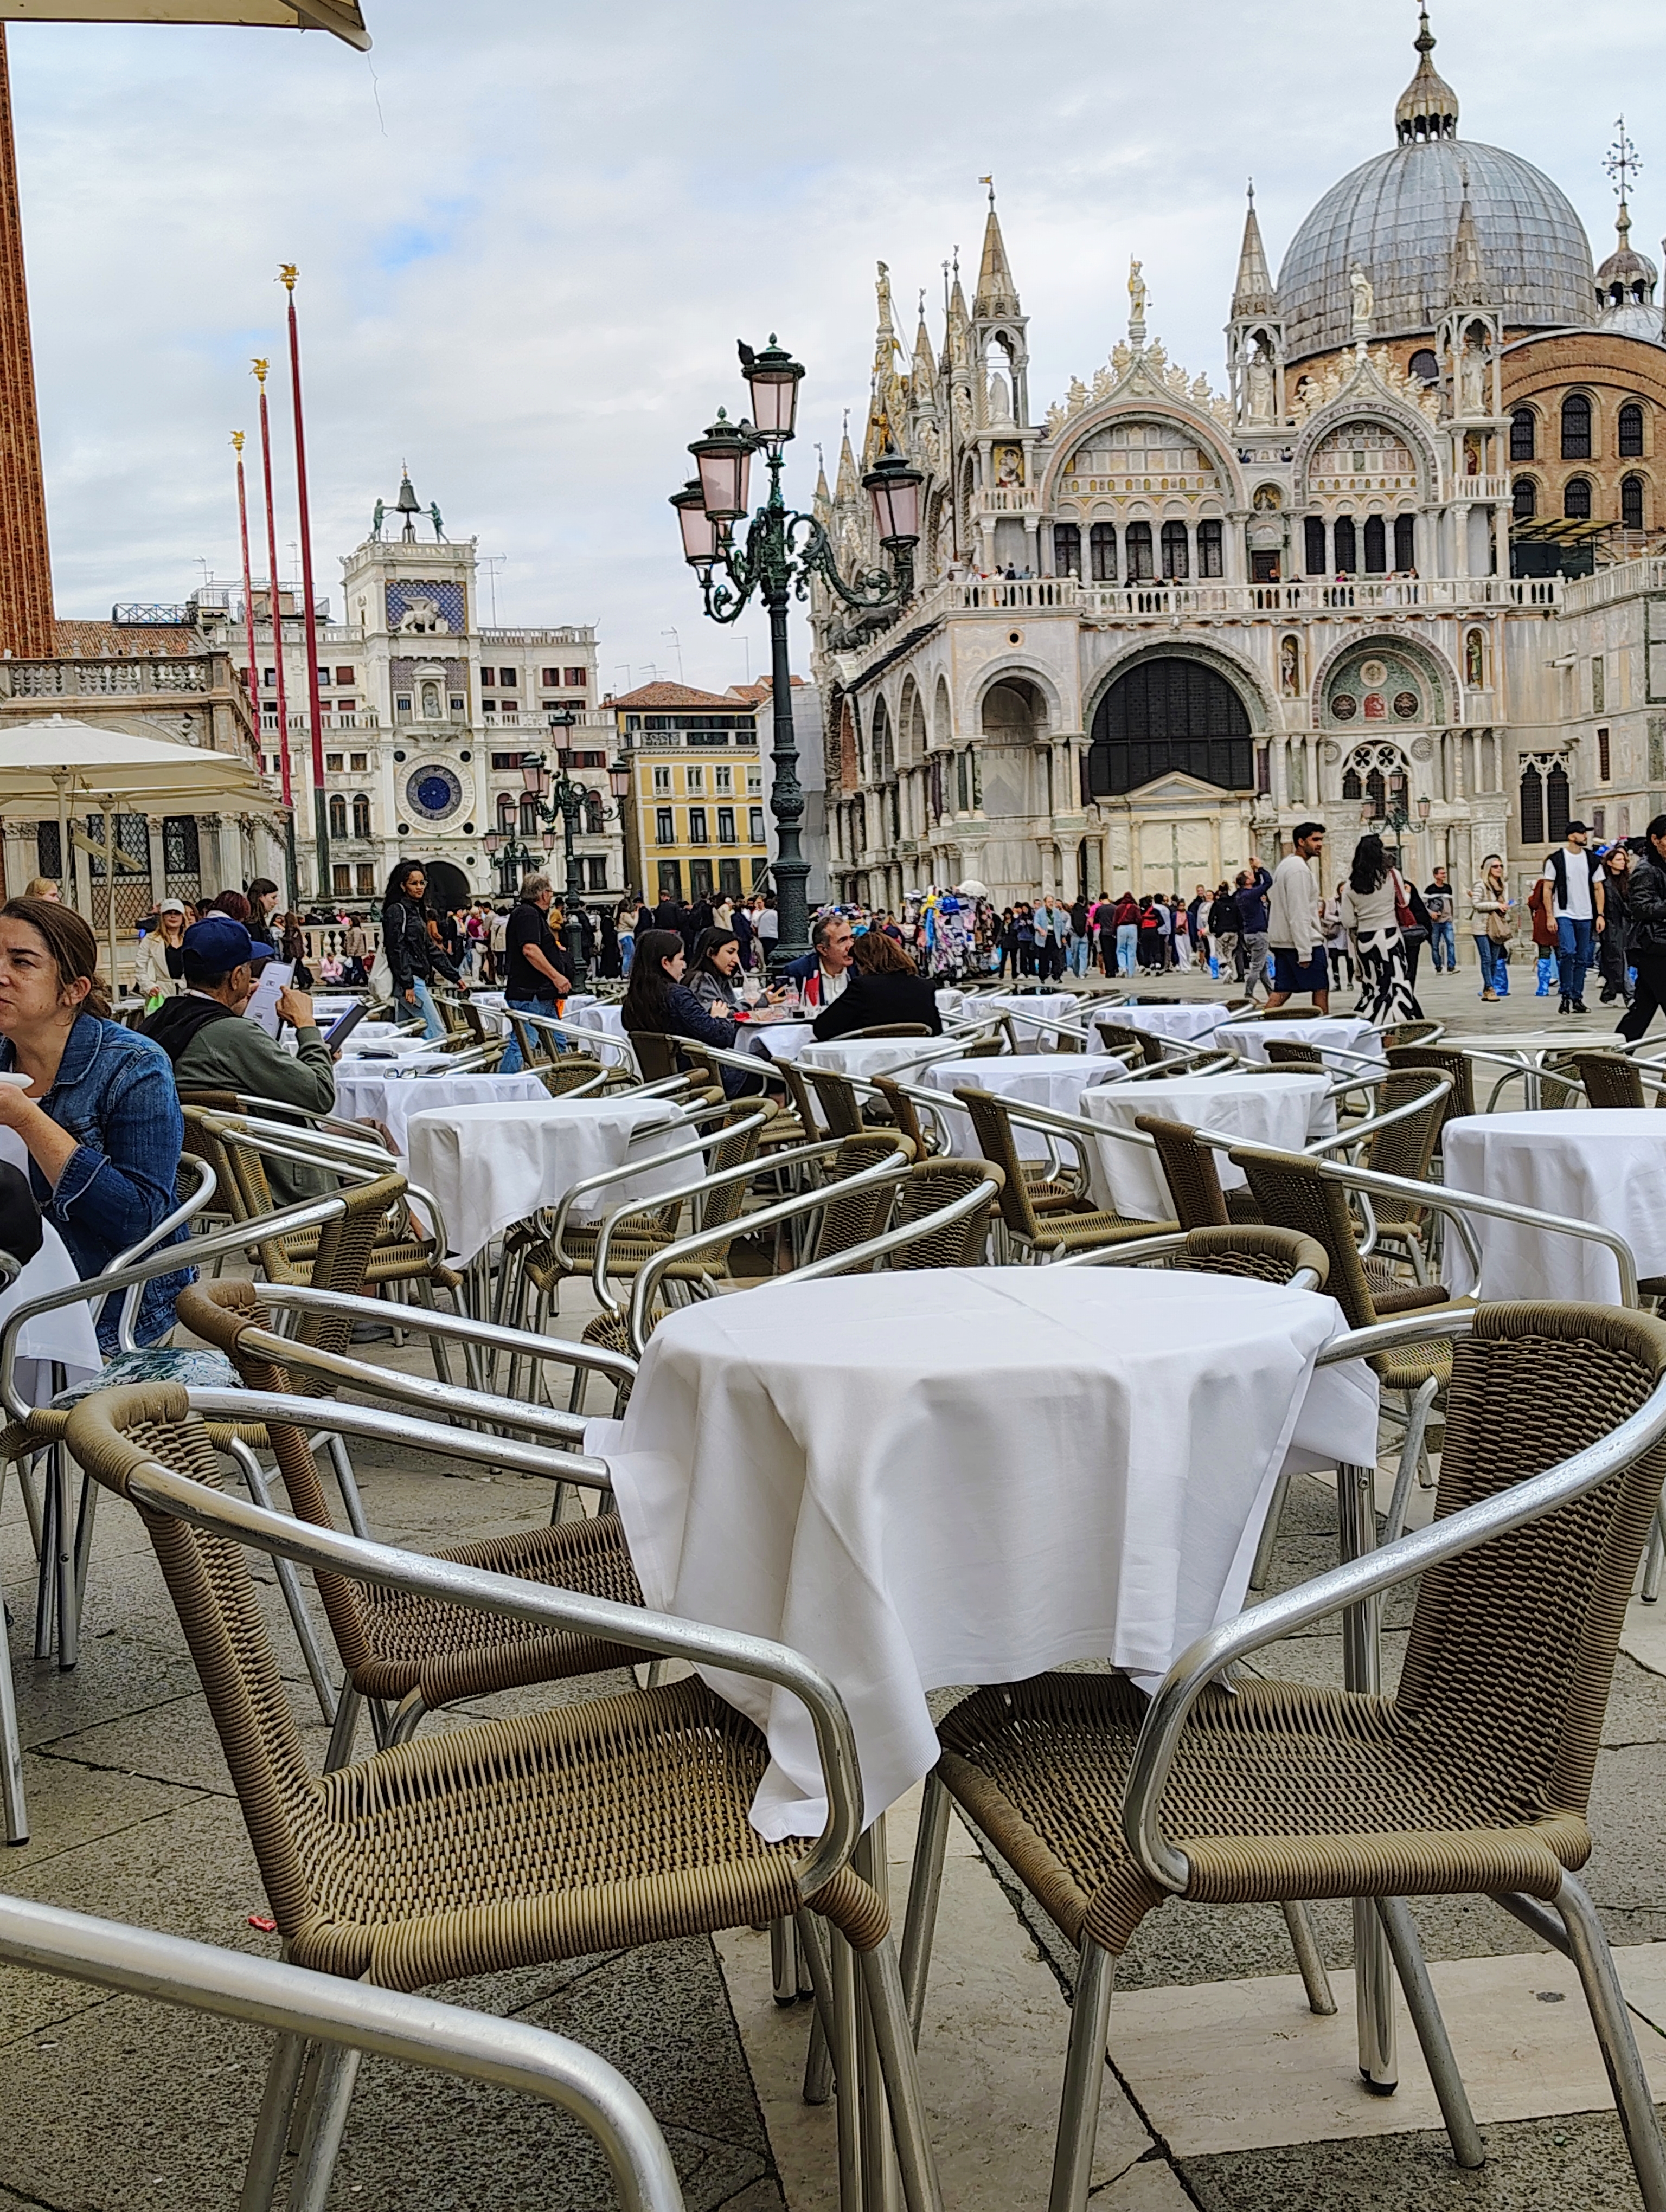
(1165, 716)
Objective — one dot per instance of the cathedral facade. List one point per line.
(1403, 573)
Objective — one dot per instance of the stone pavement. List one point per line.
(1223, 2091)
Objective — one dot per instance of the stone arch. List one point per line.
(882, 742)
(1410, 425)
(1046, 711)
(1442, 678)
(1202, 430)
(1166, 713)
(1246, 680)
(910, 725)
(942, 729)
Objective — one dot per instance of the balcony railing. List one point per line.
(361, 718)
(65, 679)
(1623, 581)
(1157, 598)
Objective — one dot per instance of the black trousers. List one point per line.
(1650, 962)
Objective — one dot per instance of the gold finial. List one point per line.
(286, 274)
(260, 368)
(237, 440)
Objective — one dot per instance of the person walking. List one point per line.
(413, 954)
(160, 972)
(1226, 936)
(1643, 875)
(1441, 901)
(1489, 908)
(1081, 939)
(1574, 902)
(1339, 945)
(1295, 930)
(1052, 927)
(1254, 885)
(1615, 943)
(1126, 919)
(1373, 904)
(535, 981)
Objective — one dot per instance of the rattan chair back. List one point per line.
(1119, 1038)
(993, 1131)
(1189, 1168)
(1293, 1193)
(1409, 1033)
(931, 1185)
(850, 1218)
(887, 1030)
(799, 1091)
(1288, 1052)
(840, 1109)
(1255, 1253)
(1610, 1079)
(1444, 1059)
(902, 1113)
(570, 1071)
(655, 1055)
(988, 1048)
(1406, 1147)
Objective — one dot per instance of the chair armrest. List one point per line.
(1349, 1584)
(375, 1425)
(748, 1171)
(207, 1183)
(415, 2030)
(694, 1147)
(461, 1329)
(161, 1490)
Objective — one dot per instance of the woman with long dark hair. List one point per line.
(714, 976)
(657, 998)
(1373, 900)
(413, 954)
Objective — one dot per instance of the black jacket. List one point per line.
(869, 1002)
(411, 951)
(1645, 904)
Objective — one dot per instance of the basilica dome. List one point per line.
(1394, 217)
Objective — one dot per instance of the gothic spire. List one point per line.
(1428, 107)
(997, 295)
(957, 337)
(924, 375)
(845, 485)
(1468, 278)
(1253, 295)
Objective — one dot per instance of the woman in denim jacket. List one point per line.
(101, 1120)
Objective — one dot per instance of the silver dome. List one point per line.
(1395, 216)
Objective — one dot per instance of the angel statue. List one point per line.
(1136, 292)
(1364, 301)
(376, 519)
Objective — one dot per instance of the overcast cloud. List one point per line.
(530, 231)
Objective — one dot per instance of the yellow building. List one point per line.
(694, 821)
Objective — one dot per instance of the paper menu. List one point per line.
(263, 1006)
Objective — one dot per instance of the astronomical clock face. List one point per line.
(435, 792)
(1378, 687)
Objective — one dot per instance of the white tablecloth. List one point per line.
(1605, 1166)
(66, 1335)
(492, 1165)
(1054, 1080)
(1051, 1006)
(1187, 1024)
(866, 1056)
(1332, 1033)
(594, 1015)
(1050, 1464)
(392, 1099)
(380, 1038)
(1289, 1111)
(776, 1039)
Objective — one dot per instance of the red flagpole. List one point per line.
(272, 594)
(248, 591)
(287, 275)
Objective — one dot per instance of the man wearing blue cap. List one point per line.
(213, 1049)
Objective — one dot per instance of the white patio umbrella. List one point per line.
(972, 889)
(75, 767)
(345, 18)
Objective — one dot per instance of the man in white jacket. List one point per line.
(1295, 934)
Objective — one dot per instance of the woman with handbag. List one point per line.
(1493, 923)
(1377, 911)
(413, 954)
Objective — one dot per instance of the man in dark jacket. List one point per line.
(1254, 885)
(1644, 875)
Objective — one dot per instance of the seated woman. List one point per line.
(714, 976)
(99, 1120)
(658, 1000)
(884, 987)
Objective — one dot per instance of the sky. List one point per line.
(531, 231)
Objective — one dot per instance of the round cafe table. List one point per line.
(775, 1040)
(596, 1014)
(392, 1099)
(65, 1337)
(866, 1057)
(1186, 1024)
(1066, 1007)
(1054, 1080)
(1051, 1464)
(1606, 1165)
(1290, 1111)
(1333, 1034)
(492, 1165)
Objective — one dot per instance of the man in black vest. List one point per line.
(1575, 900)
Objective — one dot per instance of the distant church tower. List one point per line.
(1255, 335)
(1000, 391)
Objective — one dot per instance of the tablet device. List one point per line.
(339, 1033)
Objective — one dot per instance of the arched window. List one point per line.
(1166, 716)
(1575, 499)
(1523, 434)
(1533, 807)
(1576, 428)
(1631, 503)
(1405, 541)
(530, 824)
(1348, 555)
(1631, 431)
(1524, 499)
(1425, 365)
(1102, 549)
(1209, 562)
(1556, 806)
(1377, 546)
(1313, 532)
(1136, 541)
(337, 815)
(1067, 549)
(1177, 553)
(506, 811)
(360, 815)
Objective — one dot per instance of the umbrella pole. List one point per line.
(66, 862)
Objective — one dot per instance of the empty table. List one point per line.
(392, 1099)
(1336, 1035)
(1046, 1006)
(65, 1337)
(1604, 1165)
(492, 1165)
(1051, 1464)
(1054, 1080)
(593, 1014)
(1290, 1111)
(1186, 1024)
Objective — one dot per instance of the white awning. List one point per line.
(345, 18)
(39, 761)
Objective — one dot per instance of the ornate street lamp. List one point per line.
(782, 553)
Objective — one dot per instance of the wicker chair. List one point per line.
(1412, 1033)
(1405, 1148)
(1611, 1079)
(841, 1109)
(1475, 1778)
(887, 1030)
(1043, 1219)
(397, 1649)
(1289, 1052)
(1194, 1180)
(905, 1116)
(1442, 1059)
(549, 1836)
(1116, 1037)
(931, 1185)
